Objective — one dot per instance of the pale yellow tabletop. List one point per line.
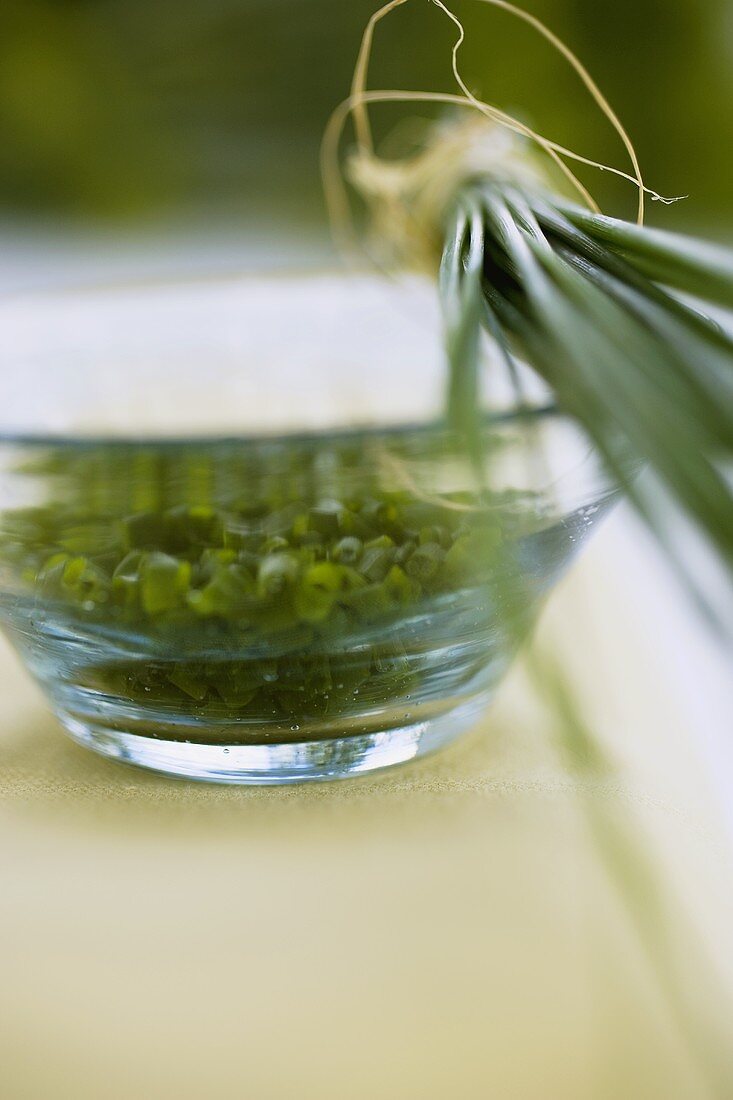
(505, 920)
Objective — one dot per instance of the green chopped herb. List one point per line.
(231, 573)
(164, 582)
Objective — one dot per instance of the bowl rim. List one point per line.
(356, 432)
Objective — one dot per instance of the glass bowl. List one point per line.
(237, 542)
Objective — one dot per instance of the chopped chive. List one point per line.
(164, 582)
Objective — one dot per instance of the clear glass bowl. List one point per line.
(238, 544)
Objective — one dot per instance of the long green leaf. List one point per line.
(685, 263)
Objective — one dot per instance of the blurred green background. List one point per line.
(152, 111)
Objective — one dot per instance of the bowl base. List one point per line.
(277, 764)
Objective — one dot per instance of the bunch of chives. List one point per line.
(597, 306)
(589, 302)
